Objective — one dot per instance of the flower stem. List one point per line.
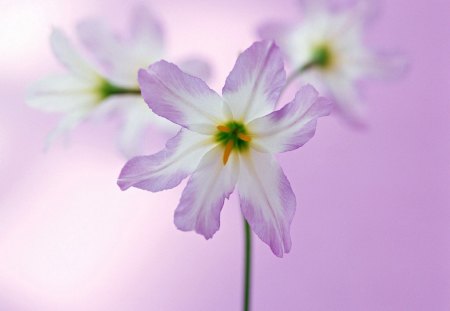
(108, 89)
(248, 266)
(298, 72)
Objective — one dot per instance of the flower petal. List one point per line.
(136, 119)
(101, 42)
(254, 85)
(146, 31)
(203, 197)
(362, 12)
(267, 200)
(346, 98)
(167, 168)
(67, 124)
(123, 57)
(292, 126)
(179, 97)
(377, 65)
(69, 57)
(308, 5)
(272, 30)
(61, 93)
(196, 67)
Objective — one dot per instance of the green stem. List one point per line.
(109, 89)
(248, 266)
(322, 57)
(298, 72)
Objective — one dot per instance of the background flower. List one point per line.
(373, 235)
(328, 48)
(90, 91)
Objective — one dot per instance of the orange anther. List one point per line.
(223, 128)
(244, 137)
(227, 152)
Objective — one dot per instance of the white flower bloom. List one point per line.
(88, 91)
(228, 141)
(327, 48)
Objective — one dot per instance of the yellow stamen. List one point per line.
(227, 152)
(244, 137)
(223, 128)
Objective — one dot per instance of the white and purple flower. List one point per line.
(227, 142)
(90, 90)
(327, 49)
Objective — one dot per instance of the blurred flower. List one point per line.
(90, 91)
(227, 142)
(327, 48)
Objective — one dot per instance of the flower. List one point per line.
(327, 48)
(89, 91)
(226, 142)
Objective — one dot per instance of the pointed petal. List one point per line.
(292, 126)
(102, 43)
(203, 197)
(167, 168)
(61, 93)
(267, 200)
(179, 97)
(254, 85)
(69, 57)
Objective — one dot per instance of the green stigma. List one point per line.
(322, 56)
(107, 89)
(233, 134)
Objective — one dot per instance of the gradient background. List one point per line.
(372, 229)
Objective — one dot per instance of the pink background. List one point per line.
(372, 229)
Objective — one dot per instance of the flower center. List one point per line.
(323, 56)
(232, 136)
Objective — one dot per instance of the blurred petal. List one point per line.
(380, 65)
(267, 200)
(145, 45)
(292, 126)
(69, 57)
(203, 197)
(146, 30)
(254, 85)
(167, 168)
(179, 97)
(272, 30)
(313, 6)
(66, 124)
(137, 117)
(101, 42)
(346, 98)
(197, 68)
(122, 57)
(61, 93)
(363, 12)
